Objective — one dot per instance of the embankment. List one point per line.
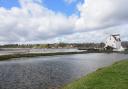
(112, 77)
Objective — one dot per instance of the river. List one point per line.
(51, 71)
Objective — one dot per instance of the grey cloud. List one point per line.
(33, 22)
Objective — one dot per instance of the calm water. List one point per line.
(50, 72)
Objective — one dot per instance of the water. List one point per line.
(52, 71)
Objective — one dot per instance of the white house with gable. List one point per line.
(114, 42)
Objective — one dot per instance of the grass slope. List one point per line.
(112, 77)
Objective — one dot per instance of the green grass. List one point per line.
(112, 77)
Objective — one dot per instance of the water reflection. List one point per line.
(47, 72)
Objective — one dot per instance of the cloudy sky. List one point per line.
(50, 21)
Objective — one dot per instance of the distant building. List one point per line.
(114, 42)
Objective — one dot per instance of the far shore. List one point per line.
(20, 55)
(11, 56)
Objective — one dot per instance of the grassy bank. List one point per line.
(112, 77)
(10, 56)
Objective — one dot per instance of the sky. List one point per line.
(53, 21)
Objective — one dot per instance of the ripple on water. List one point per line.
(47, 72)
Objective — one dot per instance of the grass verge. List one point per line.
(112, 77)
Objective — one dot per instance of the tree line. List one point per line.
(60, 45)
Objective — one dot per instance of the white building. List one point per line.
(114, 42)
